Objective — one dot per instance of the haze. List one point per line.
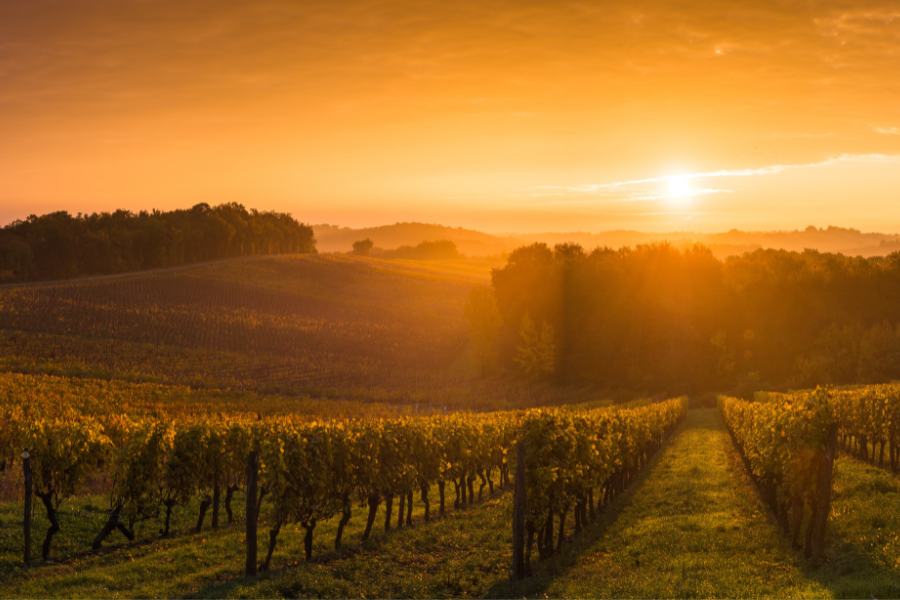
(504, 116)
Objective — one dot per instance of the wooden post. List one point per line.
(252, 512)
(216, 499)
(29, 491)
(822, 507)
(519, 506)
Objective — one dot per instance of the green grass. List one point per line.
(692, 526)
(460, 554)
(863, 559)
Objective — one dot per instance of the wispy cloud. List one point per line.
(690, 194)
(654, 188)
(886, 130)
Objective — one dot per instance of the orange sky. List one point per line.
(502, 115)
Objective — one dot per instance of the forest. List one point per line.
(657, 318)
(58, 245)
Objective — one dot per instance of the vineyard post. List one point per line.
(519, 500)
(251, 512)
(823, 496)
(26, 521)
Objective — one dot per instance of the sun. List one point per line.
(678, 190)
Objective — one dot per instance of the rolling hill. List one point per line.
(317, 326)
(475, 243)
(298, 324)
(332, 238)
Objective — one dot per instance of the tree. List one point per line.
(536, 353)
(363, 247)
(661, 318)
(436, 250)
(58, 245)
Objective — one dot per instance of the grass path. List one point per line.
(693, 528)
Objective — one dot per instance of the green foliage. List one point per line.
(778, 436)
(138, 466)
(789, 445)
(869, 422)
(536, 352)
(63, 450)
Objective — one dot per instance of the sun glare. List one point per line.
(678, 190)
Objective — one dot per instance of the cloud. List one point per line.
(889, 130)
(648, 188)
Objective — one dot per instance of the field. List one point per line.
(322, 326)
(311, 326)
(352, 380)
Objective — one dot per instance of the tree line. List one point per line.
(58, 245)
(427, 250)
(659, 318)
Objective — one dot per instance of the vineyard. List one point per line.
(310, 471)
(285, 426)
(553, 479)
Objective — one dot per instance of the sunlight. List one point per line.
(678, 190)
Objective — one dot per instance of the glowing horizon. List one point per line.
(501, 116)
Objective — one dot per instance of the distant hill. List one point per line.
(332, 238)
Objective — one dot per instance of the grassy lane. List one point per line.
(694, 527)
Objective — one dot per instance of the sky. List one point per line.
(502, 115)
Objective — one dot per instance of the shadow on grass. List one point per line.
(848, 571)
(80, 524)
(865, 517)
(558, 565)
(377, 548)
(286, 564)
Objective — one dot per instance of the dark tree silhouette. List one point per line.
(58, 245)
(657, 318)
(436, 250)
(363, 247)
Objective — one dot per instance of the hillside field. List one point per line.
(313, 326)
